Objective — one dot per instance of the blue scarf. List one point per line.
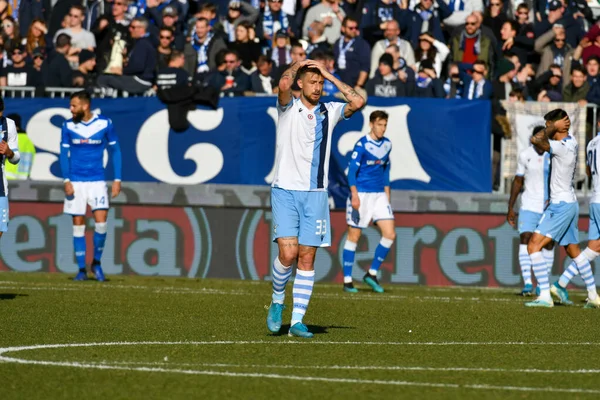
(423, 82)
(456, 5)
(268, 22)
(202, 50)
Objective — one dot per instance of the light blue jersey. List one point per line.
(369, 167)
(82, 149)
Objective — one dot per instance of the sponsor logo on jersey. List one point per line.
(86, 141)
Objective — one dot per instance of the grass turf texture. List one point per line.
(411, 342)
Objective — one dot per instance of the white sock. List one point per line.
(525, 263)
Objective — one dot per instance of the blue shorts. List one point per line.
(301, 214)
(559, 222)
(528, 221)
(3, 214)
(594, 231)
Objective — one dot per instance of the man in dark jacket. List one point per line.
(577, 90)
(232, 81)
(59, 72)
(593, 67)
(427, 84)
(138, 73)
(427, 17)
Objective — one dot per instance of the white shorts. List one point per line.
(373, 206)
(93, 193)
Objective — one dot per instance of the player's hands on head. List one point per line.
(510, 217)
(69, 191)
(116, 189)
(563, 124)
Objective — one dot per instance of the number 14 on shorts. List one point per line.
(99, 201)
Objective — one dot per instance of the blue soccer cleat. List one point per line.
(560, 293)
(98, 273)
(540, 303)
(349, 288)
(274, 317)
(527, 290)
(300, 330)
(373, 282)
(81, 276)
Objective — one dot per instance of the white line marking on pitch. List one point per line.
(353, 367)
(258, 375)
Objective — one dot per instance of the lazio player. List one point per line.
(84, 139)
(369, 180)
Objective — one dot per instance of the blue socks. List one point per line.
(381, 253)
(79, 245)
(99, 239)
(281, 276)
(348, 258)
(303, 287)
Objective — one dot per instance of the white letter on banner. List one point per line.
(152, 148)
(272, 111)
(404, 159)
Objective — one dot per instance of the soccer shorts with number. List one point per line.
(559, 222)
(373, 207)
(3, 214)
(301, 214)
(93, 194)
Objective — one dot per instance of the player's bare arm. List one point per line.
(286, 81)
(354, 199)
(388, 193)
(355, 101)
(116, 189)
(540, 139)
(514, 193)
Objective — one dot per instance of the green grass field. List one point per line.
(147, 338)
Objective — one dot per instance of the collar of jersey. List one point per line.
(377, 143)
(94, 117)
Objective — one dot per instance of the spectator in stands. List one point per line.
(239, 12)
(59, 72)
(589, 45)
(85, 76)
(317, 41)
(427, 83)
(281, 53)
(39, 56)
(392, 36)
(461, 9)
(351, 53)
(36, 36)
(137, 75)
(471, 45)
(327, 60)
(19, 73)
(29, 10)
(476, 86)
(166, 38)
(262, 80)
(10, 32)
(427, 18)
(453, 85)
(593, 67)
(431, 49)
(524, 80)
(173, 74)
(503, 84)
(554, 50)
(522, 18)
(375, 18)
(112, 37)
(330, 14)
(519, 45)
(170, 19)
(207, 45)
(232, 81)
(80, 37)
(273, 20)
(516, 95)
(578, 89)
(404, 72)
(495, 17)
(557, 16)
(386, 83)
(119, 12)
(208, 11)
(297, 55)
(549, 84)
(248, 49)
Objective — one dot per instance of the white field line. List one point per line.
(352, 367)
(262, 375)
(203, 291)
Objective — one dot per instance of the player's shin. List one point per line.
(348, 257)
(572, 270)
(303, 286)
(381, 253)
(79, 245)
(281, 276)
(525, 263)
(540, 269)
(549, 258)
(99, 240)
(585, 270)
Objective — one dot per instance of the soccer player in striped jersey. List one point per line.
(299, 196)
(9, 150)
(84, 139)
(560, 218)
(592, 250)
(369, 181)
(533, 169)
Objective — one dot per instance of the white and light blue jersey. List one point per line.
(304, 144)
(86, 142)
(535, 168)
(369, 168)
(592, 160)
(10, 136)
(563, 156)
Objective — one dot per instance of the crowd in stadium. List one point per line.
(547, 50)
